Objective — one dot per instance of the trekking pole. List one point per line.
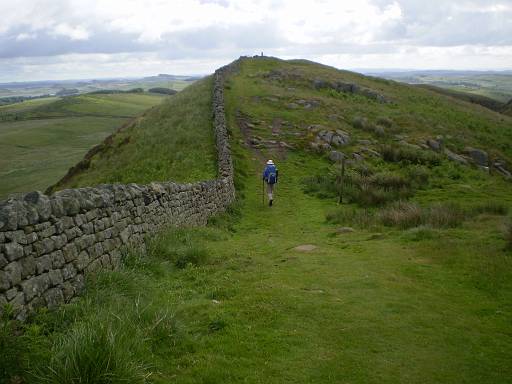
(263, 192)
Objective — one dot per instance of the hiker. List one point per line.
(270, 178)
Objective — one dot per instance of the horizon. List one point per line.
(61, 40)
(364, 71)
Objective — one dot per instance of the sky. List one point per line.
(76, 39)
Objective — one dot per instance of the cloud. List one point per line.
(73, 32)
(189, 30)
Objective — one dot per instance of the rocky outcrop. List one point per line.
(455, 157)
(326, 138)
(500, 166)
(49, 243)
(479, 156)
(352, 88)
(336, 156)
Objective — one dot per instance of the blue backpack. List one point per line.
(272, 178)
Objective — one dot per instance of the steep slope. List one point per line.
(507, 108)
(174, 141)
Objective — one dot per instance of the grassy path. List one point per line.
(354, 310)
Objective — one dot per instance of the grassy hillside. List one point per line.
(416, 291)
(507, 108)
(174, 141)
(40, 139)
(494, 85)
(484, 101)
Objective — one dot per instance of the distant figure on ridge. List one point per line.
(270, 178)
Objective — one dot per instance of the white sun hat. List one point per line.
(270, 162)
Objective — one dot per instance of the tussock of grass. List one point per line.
(363, 185)
(399, 153)
(99, 352)
(490, 207)
(405, 215)
(179, 248)
(409, 215)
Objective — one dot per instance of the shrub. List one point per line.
(492, 207)
(389, 180)
(361, 218)
(321, 186)
(385, 122)
(408, 215)
(418, 175)
(361, 185)
(194, 255)
(359, 122)
(444, 215)
(398, 153)
(371, 189)
(402, 214)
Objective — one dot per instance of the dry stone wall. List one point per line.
(49, 243)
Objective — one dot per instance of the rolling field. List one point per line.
(40, 139)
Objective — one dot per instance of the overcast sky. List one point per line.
(69, 39)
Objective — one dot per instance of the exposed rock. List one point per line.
(308, 104)
(436, 145)
(336, 138)
(305, 248)
(319, 83)
(316, 127)
(325, 136)
(357, 157)
(292, 105)
(353, 88)
(501, 167)
(455, 157)
(336, 156)
(285, 145)
(479, 156)
(370, 151)
(407, 144)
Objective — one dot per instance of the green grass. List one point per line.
(26, 105)
(236, 302)
(51, 135)
(173, 142)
